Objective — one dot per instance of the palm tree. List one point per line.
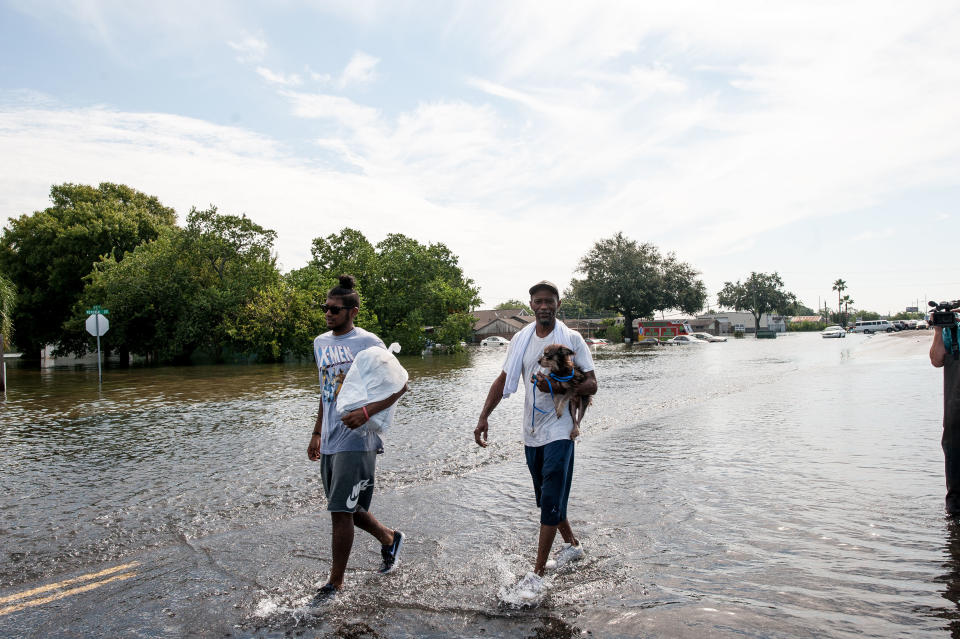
(840, 286)
(847, 301)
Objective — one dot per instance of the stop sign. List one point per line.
(97, 320)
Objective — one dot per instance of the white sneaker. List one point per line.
(568, 553)
(530, 587)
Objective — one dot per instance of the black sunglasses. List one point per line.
(333, 308)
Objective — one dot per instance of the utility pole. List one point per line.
(3, 367)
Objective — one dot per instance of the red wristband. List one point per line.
(365, 413)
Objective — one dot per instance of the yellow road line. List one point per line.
(61, 584)
(65, 593)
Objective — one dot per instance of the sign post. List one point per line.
(97, 325)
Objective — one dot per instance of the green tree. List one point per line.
(317, 284)
(238, 255)
(840, 286)
(760, 293)
(347, 252)
(512, 304)
(456, 328)
(904, 315)
(417, 285)
(798, 308)
(635, 280)
(47, 254)
(189, 290)
(278, 320)
(404, 286)
(611, 331)
(575, 308)
(847, 302)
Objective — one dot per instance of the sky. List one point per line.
(819, 140)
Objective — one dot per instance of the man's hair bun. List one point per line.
(345, 290)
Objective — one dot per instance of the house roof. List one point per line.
(513, 316)
(512, 322)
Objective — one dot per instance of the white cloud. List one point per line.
(321, 78)
(281, 79)
(360, 70)
(344, 111)
(875, 234)
(188, 162)
(570, 125)
(249, 48)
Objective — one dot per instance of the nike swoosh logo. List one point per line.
(354, 497)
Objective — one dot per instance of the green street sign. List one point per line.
(97, 309)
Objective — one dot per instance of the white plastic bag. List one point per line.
(374, 375)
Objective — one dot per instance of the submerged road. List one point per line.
(256, 581)
(782, 488)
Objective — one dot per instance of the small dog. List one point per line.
(558, 360)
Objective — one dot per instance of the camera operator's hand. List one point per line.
(937, 350)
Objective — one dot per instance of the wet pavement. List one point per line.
(781, 488)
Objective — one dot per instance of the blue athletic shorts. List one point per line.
(551, 467)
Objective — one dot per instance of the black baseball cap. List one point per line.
(545, 284)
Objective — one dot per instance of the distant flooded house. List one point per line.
(504, 322)
(705, 325)
(587, 326)
(726, 321)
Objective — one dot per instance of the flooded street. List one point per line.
(772, 488)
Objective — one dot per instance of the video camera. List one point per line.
(943, 315)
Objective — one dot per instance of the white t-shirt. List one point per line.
(541, 428)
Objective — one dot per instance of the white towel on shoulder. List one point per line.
(518, 346)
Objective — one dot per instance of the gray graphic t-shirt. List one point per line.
(334, 355)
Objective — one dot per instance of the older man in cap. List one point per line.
(547, 438)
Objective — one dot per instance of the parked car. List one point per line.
(899, 324)
(596, 341)
(833, 331)
(684, 339)
(707, 337)
(873, 326)
(911, 324)
(494, 340)
(922, 324)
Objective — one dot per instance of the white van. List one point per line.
(873, 326)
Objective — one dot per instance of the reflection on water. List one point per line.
(760, 488)
(950, 581)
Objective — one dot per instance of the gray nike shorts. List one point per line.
(348, 480)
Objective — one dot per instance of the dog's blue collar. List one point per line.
(533, 413)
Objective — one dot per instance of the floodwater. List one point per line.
(772, 488)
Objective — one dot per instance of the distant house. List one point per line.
(705, 325)
(727, 320)
(585, 326)
(504, 322)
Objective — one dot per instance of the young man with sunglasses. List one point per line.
(347, 452)
(548, 442)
